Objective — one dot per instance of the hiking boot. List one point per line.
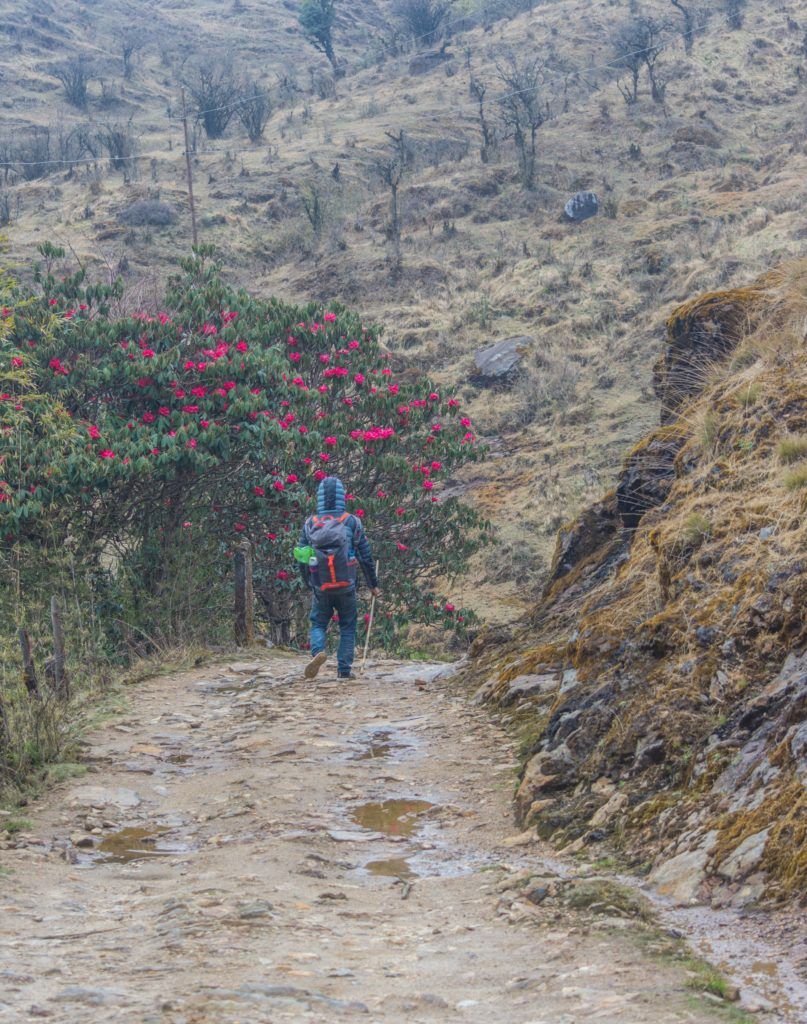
(346, 675)
(316, 663)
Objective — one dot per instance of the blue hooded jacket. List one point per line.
(331, 501)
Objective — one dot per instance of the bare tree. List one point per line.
(75, 75)
(421, 19)
(314, 205)
(694, 16)
(132, 41)
(523, 109)
(478, 89)
(735, 12)
(215, 93)
(254, 109)
(638, 44)
(390, 169)
(118, 141)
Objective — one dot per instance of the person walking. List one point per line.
(332, 546)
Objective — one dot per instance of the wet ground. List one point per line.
(251, 847)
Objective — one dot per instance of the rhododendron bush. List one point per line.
(151, 444)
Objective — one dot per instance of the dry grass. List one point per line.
(482, 259)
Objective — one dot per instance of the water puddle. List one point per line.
(134, 843)
(379, 744)
(392, 817)
(394, 867)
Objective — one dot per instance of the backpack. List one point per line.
(331, 539)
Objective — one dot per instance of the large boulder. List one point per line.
(498, 365)
(581, 206)
(583, 537)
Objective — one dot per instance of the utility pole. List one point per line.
(188, 165)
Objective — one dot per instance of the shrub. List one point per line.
(146, 447)
(793, 449)
(796, 478)
(150, 212)
(422, 19)
(75, 76)
(215, 94)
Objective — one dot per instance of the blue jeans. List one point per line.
(322, 609)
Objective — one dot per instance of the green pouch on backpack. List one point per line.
(304, 554)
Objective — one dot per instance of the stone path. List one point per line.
(250, 847)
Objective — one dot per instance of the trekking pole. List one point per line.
(369, 627)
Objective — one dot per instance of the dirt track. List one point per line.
(265, 849)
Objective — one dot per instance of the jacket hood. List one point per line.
(331, 495)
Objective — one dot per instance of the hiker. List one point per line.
(332, 546)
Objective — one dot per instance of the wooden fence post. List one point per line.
(28, 668)
(244, 602)
(60, 683)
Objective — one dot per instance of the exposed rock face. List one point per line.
(674, 619)
(584, 536)
(700, 334)
(581, 206)
(647, 476)
(498, 365)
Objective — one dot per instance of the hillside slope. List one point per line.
(661, 683)
(698, 192)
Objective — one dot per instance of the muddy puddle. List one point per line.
(135, 843)
(393, 817)
(393, 867)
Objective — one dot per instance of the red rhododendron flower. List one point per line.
(360, 513)
(449, 607)
(291, 478)
(465, 422)
(192, 442)
(106, 454)
(239, 527)
(324, 357)
(279, 485)
(147, 353)
(295, 357)
(94, 432)
(400, 511)
(359, 378)
(164, 410)
(259, 491)
(319, 474)
(204, 424)
(148, 417)
(428, 484)
(330, 441)
(329, 318)
(282, 574)
(16, 361)
(402, 547)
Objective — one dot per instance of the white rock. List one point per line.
(102, 796)
(745, 858)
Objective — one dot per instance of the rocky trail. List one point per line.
(251, 847)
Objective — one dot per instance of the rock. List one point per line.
(498, 364)
(681, 877)
(647, 475)
(767, 532)
(345, 836)
(580, 539)
(528, 686)
(101, 796)
(84, 841)
(745, 858)
(582, 206)
(90, 996)
(616, 803)
(699, 334)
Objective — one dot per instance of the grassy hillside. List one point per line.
(662, 682)
(701, 191)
